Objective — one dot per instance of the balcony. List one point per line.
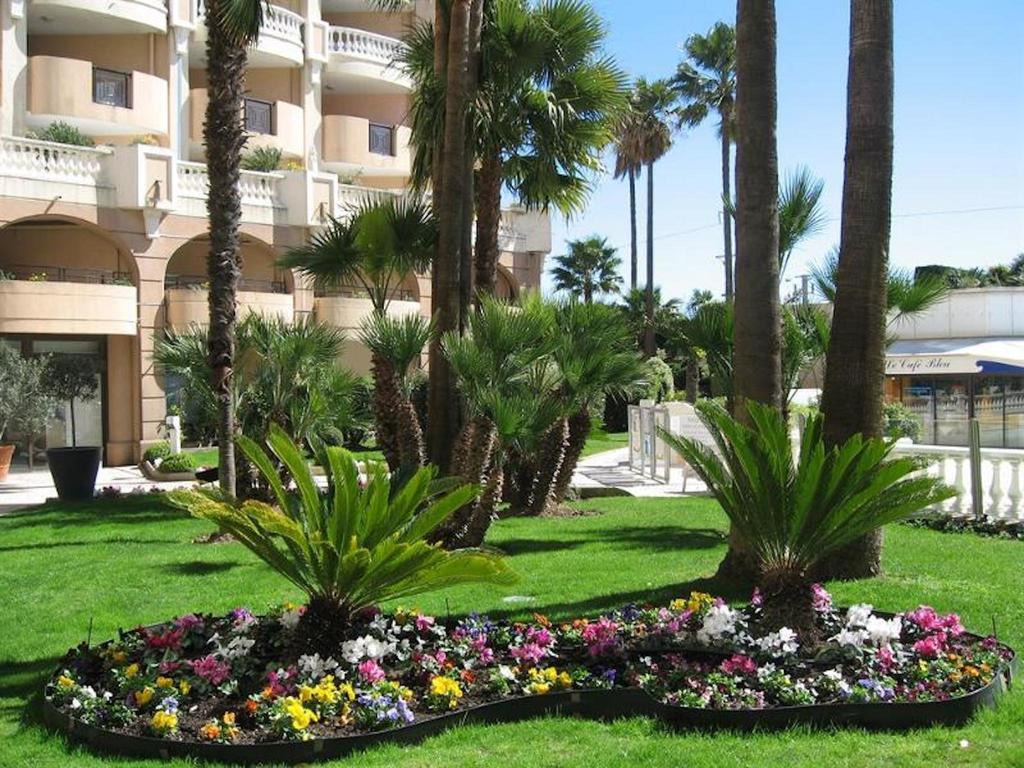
(357, 145)
(58, 300)
(280, 42)
(97, 17)
(276, 124)
(347, 309)
(261, 193)
(363, 62)
(44, 170)
(97, 101)
(186, 301)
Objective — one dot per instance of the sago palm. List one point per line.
(590, 267)
(793, 512)
(348, 547)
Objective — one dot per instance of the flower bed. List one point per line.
(233, 687)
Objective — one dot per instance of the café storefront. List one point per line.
(946, 382)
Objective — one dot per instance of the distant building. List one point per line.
(963, 358)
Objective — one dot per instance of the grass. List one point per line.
(120, 563)
(600, 440)
(208, 457)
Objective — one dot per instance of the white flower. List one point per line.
(784, 641)
(835, 675)
(884, 631)
(314, 667)
(852, 637)
(353, 651)
(290, 619)
(88, 691)
(765, 671)
(76, 704)
(858, 615)
(719, 623)
(506, 672)
(376, 649)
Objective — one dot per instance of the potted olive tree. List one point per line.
(10, 396)
(70, 378)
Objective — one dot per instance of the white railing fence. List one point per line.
(257, 189)
(364, 45)
(49, 161)
(277, 22)
(1001, 478)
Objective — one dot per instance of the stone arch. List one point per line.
(506, 287)
(65, 249)
(186, 267)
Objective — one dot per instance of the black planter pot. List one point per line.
(74, 471)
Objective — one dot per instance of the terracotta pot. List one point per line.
(6, 452)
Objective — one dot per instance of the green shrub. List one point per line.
(660, 382)
(264, 159)
(347, 546)
(898, 421)
(63, 133)
(156, 451)
(178, 462)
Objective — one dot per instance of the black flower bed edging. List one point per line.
(593, 704)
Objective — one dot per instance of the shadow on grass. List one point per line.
(98, 512)
(199, 567)
(652, 539)
(89, 543)
(21, 688)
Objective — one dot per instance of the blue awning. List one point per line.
(924, 357)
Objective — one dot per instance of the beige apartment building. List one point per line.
(103, 248)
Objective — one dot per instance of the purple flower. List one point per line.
(822, 600)
(371, 671)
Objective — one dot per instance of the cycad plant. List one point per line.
(793, 511)
(396, 344)
(348, 547)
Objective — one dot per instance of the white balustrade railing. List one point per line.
(257, 189)
(277, 22)
(364, 45)
(351, 196)
(1002, 474)
(50, 161)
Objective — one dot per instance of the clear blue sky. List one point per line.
(959, 133)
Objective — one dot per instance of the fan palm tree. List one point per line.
(706, 83)
(589, 267)
(634, 308)
(800, 212)
(378, 247)
(652, 102)
(232, 26)
(629, 164)
(792, 514)
(545, 105)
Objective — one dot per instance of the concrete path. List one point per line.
(608, 474)
(28, 489)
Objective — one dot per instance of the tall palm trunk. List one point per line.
(855, 364)
(442, 407)
(384, 417)
(632, 229)
(488, 222)
(757, 330)
(650, 344)
(225, 138)
(473, 459)
(546, 466)
(726, 115)
(466, 276)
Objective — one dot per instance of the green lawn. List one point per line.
(121, 563)
(207, 457)
(600, 440)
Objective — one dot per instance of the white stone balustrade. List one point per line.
(360, 44)
(260, 190)
(277, 22)
(49, 161)
(1001, 478)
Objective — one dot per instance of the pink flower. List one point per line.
(423, 623)
(821, 598)
(371, 671)
(529, 653)
(541, 637)
(601, 637)
(951, 623)
(738, 664)
(886, 659)
(188, 621)
(756, 599)
(926, 618)
(169, 639)
(930, 647)
(211, 669)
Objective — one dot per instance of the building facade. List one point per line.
(963, 359)
(103, 248)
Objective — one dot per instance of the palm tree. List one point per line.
(378, 247)
(232, 25)
(634, 308)
(855, 365)
(652, 102)
(628, 163)
(800, 212)
(706, 82)
(589, 267)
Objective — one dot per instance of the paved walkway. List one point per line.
(27, 489)
(608, 473)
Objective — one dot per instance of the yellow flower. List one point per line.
(131, 670)
(65, 682)
(229, 718)
(348, 691)
(143, 697)
(164, 722)
(301, 717)
(184, 686)
(445, 687)
(539, 688)
(164, 682)
(118, 657)
(699, 601)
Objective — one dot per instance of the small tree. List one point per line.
(10, 387)
(69, 378)
(36, 405)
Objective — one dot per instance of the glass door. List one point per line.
(952, 406)
(88, 413)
